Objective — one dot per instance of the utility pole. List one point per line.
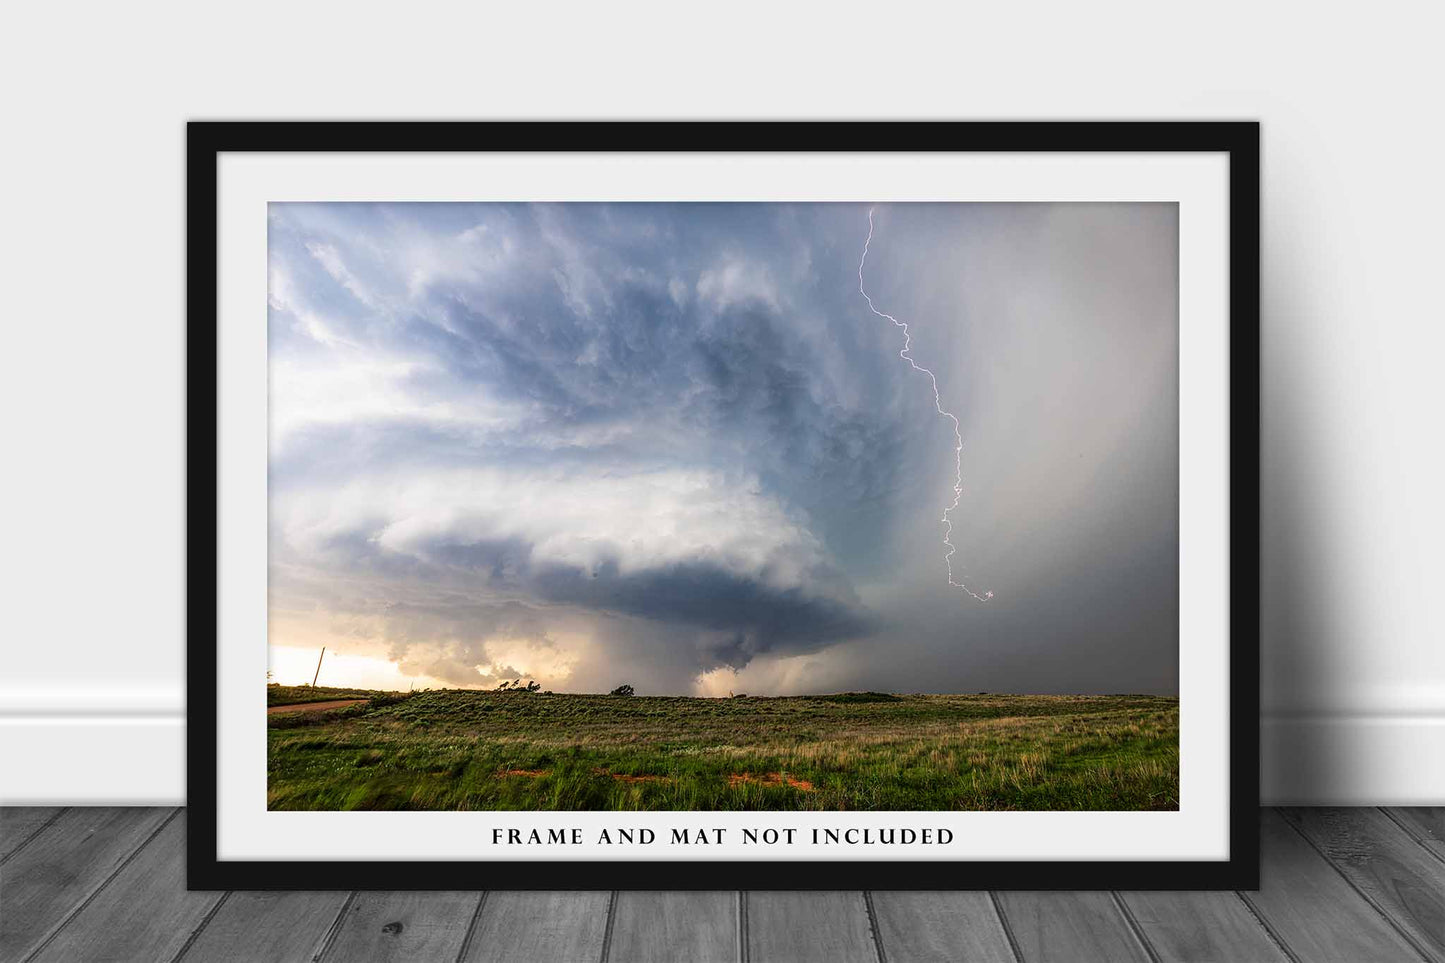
(318, 666)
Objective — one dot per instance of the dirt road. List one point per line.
(308, 706)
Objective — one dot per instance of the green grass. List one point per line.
(459, 749)
(290, 695)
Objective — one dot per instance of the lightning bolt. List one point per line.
(938, 405)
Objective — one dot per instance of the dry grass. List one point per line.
(445, 750)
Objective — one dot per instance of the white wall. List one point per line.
(91, 693)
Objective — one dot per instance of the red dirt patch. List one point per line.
(531, 773)
(314, 706)
(770, 779)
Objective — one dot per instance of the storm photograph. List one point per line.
(721, 506)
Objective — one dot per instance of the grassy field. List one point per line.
(458, 749)
(290, 695)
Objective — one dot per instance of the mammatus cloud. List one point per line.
(661, 444)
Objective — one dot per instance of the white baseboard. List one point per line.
(97, 750)
(1352, 760)
(89, 744)
(131, 760)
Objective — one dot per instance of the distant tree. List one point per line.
(623, 690)
(533, 686)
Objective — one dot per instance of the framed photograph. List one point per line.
(723, 505)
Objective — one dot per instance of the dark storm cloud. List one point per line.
(673, 431)
(755, 617)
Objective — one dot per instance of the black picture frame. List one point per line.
(206, 140)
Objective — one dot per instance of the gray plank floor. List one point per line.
(108, 884)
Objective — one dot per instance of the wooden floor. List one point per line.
(1355, 885)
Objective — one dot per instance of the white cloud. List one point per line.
(639, 521)
(282, 296)
(330, 260)
(677, 290)
(780, 675)
(355, 387)
(737, 281)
